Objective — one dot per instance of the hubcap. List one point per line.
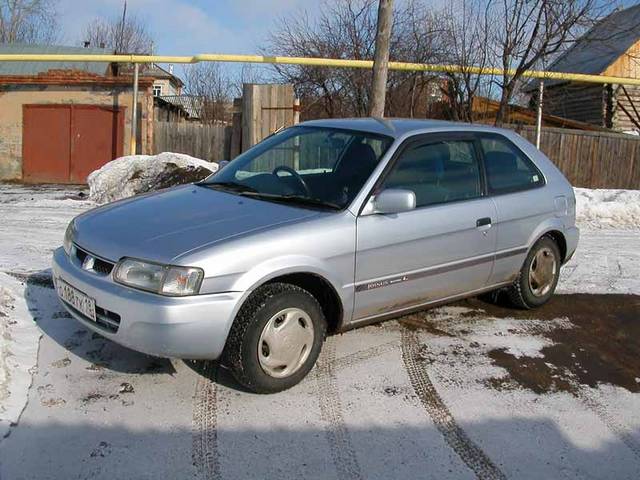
(542, 272)
(285, 342)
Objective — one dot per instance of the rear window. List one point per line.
(508, 169)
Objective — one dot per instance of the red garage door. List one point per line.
(64, 143)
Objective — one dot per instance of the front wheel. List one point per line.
(275, 339)
(538, 277)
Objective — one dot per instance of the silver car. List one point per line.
(323, 227)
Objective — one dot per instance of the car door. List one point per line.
(515, 185)
(443, 247)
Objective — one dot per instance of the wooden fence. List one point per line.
(208, 142)
(591, 159)
(262, 110)
(588, 159)
(265, 109)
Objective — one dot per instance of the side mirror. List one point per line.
(393, 200)
(222, 164)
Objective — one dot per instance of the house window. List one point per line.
(157, 90)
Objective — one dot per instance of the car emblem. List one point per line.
(88, 262)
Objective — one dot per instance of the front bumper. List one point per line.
(194, 327)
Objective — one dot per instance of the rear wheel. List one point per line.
(276, 338)
(538, 277)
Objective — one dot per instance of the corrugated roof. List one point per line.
(151, 70)
(601, 46)
(34, 68)
(189, 103)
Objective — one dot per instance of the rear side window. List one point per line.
(438, 172)
(508, 169)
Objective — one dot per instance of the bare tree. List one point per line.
(122, 34)
(528, 32)
(28, 21)
(248, 73)
(213, 87)
(381, 58)
(347, 29)
(416, 38)
(344, 29)
(465, 42)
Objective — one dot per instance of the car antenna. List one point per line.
(276, 131)
(385, 122)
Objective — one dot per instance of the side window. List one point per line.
(438, 172)
(508, 169)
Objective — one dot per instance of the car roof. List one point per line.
(397, 127)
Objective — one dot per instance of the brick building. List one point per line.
(61, 120)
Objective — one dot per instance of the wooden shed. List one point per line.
(611, 47)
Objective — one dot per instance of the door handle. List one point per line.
(483, 223)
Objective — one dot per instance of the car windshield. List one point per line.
(312, 167)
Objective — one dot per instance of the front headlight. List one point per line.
(162, 279)
(69, 234)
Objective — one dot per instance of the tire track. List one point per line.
(342, 452)
(455, 436)
(362, 355)
(204, 454)
(612, 424)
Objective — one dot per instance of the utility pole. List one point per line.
(120, 39)
(539, 116)
(134, 112)
(381, 59)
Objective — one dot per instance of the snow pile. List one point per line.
(135, 174)
(607, 208)
(19, 338)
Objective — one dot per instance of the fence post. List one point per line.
(134, 111)
(251, 115)
(539, 116)
(235, 147)
(296, 111)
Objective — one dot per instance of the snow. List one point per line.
(35, 220)
(605, 208)
(135, 174)
(571, 437)
(19, 338)
(365, 400)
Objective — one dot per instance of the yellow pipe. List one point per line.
(318, 62)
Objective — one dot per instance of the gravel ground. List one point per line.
(463, 391)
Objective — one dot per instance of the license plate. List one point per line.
(78, 300)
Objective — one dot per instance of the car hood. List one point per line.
(166, 225)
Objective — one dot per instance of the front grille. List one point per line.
(100, 267)
(108, 320)
(105, 319)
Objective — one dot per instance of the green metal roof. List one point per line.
(34, 68)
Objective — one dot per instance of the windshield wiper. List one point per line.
(297, 199)
(231, 186)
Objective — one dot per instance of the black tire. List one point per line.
(492, 297)
(520, 294)
(241, 350)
